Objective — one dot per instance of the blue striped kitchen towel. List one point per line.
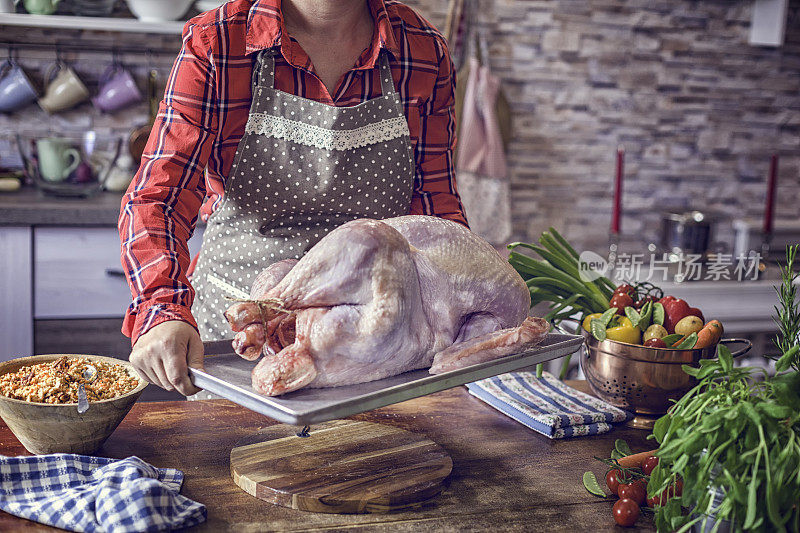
(85, 493)
(547, 405)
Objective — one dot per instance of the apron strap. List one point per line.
(387, 83)
(264, 69)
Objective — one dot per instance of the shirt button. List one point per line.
(264, 229)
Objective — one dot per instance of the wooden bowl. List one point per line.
(58, 428)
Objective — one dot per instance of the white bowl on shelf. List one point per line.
(208, 5)
(159, 10)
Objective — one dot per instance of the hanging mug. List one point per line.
(64, 90)
(8, 6)
(16, 89)
(118, 90)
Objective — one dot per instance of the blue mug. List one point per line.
(16, 89)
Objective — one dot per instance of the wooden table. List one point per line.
(505, 476)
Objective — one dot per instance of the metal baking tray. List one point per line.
(228, 375)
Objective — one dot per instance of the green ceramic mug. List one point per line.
(41, 7)
(57, 159)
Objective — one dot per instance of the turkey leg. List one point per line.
(288, 370)
(250, 320)
(490, 346)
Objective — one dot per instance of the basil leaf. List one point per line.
(616, 455)
(656, 479)
(725, 357)
(591, 484)
(598, 329)
(772, 505)
(787, 389)
(707, 367)
(658, 313)
(752, 500)
(633, 315)
(689, 342)
(693, 445)
(681, 463)
(750, 412)
(669, 340)
(774, 410)
(660, 428)
(692, 371)
(622, 447)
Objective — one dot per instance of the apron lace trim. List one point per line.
(311, 135)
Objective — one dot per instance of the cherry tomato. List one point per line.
(623, 289)
(612, 480)
(650, 463)
(621, 301)
(626, 512)
(654, 343)
(636, 491)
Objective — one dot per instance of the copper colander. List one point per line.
(641, 379)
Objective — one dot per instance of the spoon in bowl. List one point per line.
(89, 374)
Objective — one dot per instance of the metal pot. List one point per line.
(642, 379)
(688, 232)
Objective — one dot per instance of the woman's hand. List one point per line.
(163, 354)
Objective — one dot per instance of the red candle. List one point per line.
(769, 210)
(616, 214)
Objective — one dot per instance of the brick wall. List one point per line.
(697, 108)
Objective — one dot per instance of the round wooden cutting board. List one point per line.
(343, 466)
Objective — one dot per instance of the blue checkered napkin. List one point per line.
(547, 405)
(82, 493)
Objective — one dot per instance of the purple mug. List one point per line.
(16, 89)
(118, 90)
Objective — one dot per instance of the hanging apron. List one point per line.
(302, 168)
(481, 162)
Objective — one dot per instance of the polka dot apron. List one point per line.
(302, 169)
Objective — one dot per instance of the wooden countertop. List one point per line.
(503, 473)
(31, 207)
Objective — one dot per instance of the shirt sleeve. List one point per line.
(159, 211)
(435, 190)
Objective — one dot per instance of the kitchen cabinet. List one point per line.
(59, 279)
(16, 295)
(77, 273)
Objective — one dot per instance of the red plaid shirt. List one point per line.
(203, 115)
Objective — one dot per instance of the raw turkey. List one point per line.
(374, 299)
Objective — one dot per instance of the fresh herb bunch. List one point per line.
(788, 314)
(734, 436)
(556, 278)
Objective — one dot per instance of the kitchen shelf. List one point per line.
(117, 24)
